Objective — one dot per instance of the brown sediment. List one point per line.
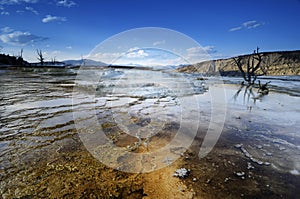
(66, 169)
(48, 159)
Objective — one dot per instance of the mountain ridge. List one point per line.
(277, 63)
(84, 62)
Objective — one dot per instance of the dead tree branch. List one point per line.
(253, 65)
(40, 56)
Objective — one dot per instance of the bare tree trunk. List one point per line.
(253, 64)
(240, 66)
(21, 53)
(40, 57)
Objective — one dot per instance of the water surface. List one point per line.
(141, 110)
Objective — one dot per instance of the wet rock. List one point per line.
(282, 148)
(248, 155)
(143, 122)
(226, 180)
(269, 154)
(238, 146)
(208, 181)
(240, 174)
(249, 166)
(294, 172)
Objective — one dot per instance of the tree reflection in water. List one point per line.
(251, 91)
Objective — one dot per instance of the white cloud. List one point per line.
(198, 54)
(251, 24)
(105, 57)
(66, 3)
(4, 13)
(247, 25)
(31, 9)
(20, 12)
(69, 47)
(50, 18)
(159, 43)
(20, 38)
(136, 53)
(235, 29)
(13, 2)
(256, 25)
(149, 57)
(210, 49)
(133, 49)
(55, 52)
(6, 29)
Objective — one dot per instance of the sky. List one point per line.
(72, 29)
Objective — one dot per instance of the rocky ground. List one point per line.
(44, 154)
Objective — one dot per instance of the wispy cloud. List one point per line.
(20, 11)
(13, 2)
(235, 29)
(157, 43)
(210, 49)
(31, 9)
(136, 53)
(198, 54)
(19, 38)
(105, 56)
(247, 25)
(66, 3)
(6, 29)
(56, 52)
(4, 13)
(50, 18)
(69, 47)
(251, 24)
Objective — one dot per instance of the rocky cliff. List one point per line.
(277, 63)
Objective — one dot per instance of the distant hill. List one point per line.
(278, 63)
(85, 62)
(7, 60)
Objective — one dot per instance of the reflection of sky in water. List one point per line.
(278, 112)
(284, 84)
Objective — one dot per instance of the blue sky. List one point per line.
(69, 29)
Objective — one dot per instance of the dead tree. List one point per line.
(263, 88)
(40, 56)
(21, 53)
(53, 60)
(252, 66)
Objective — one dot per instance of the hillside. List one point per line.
(278, 63)
(7, 60)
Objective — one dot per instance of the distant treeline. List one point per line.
(18, 61)
(12, 60)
